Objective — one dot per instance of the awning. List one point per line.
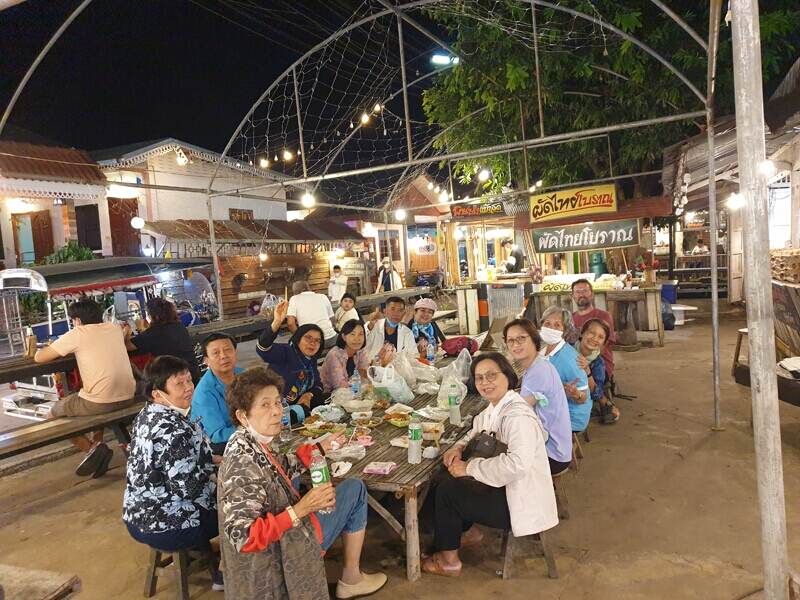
(259, 231)
(48, 163)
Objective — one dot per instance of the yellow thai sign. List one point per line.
(574, 202)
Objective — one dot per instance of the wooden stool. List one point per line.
(561, 495)
(577, 450)
(183, 562)
(542, 548)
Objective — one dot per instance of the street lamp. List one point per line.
(483, 175)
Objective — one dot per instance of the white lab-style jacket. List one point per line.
(405, 340)
(337, 286)
(397, 282)
(523, 469)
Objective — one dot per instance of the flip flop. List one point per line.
(433, 566)
(469, 543)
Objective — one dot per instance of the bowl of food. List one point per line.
(397, 420)
(370, 422)
(432, 431)
(328, 412)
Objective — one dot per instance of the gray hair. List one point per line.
(570, 333)
(298, 287)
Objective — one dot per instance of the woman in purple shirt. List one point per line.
(542, 388)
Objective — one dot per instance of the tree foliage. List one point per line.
(590, 78)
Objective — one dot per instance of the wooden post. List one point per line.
(413, 570)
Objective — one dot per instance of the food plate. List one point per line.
(432, 431)
(329, 412)
(318, 428)
(372, 422)
(380, 404)
(397, 420)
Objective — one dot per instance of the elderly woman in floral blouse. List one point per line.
(170, 498)
(272, 538)
(346, 357)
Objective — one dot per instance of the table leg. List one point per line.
(413, 571)
(386, 516)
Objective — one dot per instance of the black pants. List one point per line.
(557, 467)
(460, 503)
(181, 539)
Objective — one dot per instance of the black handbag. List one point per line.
(484, 445)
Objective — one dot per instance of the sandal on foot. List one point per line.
(434, 566)
(468, 542)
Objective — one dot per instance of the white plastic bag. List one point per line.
(425, 373)
(427, 387)
(442, 399)
(459, 368)
(386, 381)
(403, 367)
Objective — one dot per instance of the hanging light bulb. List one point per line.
(437, 189)
(263, 162)
(287, 155)
(539, 183)
(735, 202)
(364, 118)
(137, 222)
(444, 196)
(532, 188)
(400, 214)
(351, 125)
(308, 200)
(276, 158)
(483, 175)
(378, 108)
(767, 168)
(430, 185)
(263, 256)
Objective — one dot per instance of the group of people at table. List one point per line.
(202, 464)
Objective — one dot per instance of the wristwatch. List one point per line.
(293, 516)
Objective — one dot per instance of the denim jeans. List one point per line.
(350, 515)
(181, 539)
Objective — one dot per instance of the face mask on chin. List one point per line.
(259, 437)
(184, 412)
(551, 336)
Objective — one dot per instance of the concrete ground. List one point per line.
(662, 507)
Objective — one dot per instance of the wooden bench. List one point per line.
(37, 435)
(679, 311)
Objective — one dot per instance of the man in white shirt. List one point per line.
(306, 306)
(391, 330)
(337, 285)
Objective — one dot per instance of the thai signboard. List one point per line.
(465, 211)
(575, 202)
(594, 236)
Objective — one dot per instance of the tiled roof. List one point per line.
(257, 231)
(20, 160)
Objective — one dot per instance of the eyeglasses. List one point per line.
(517, 341)
(488, 377)
(315, 341)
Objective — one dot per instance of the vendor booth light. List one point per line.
(690, 216)
(339, 253)
(287, 155)
(483, 175)
(137, 222)
(444, 196)
(263, 162)
(430, 185)
(58, 201)
(678, 212)
(400, 214)
(735, 201)
(767, 168)
(263, 256)
(180, 157)
(308, 200)
(364, 118)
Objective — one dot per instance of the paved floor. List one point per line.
(662, 507)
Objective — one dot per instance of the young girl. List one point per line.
(346, 311)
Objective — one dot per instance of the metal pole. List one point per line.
(38, 60)
(524, 148)
(388, 239)
(405, 87)
(748, 90)
(214, 256)
(536, 71)
(713, 29)
(450, 181)
(299, 121)
(671, 273)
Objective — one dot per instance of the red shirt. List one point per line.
(607, 353)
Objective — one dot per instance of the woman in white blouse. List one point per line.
(510, 490)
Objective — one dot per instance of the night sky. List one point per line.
(133, 70)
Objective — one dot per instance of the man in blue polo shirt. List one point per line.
(208, 402)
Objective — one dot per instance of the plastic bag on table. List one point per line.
(404, 368)
(459, 368)
(352, 452)
(442, 398)
(425, 373)
(427, 387)
(386, 381)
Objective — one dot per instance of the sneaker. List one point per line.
(104, 461)
(369, 584)
(92, 460)
(218, 584)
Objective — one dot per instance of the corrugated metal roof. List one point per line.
(20, 160)
(257, 231)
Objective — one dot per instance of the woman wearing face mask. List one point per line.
(542, 388)
(170, 498)
(347, 357)
(594, 334)
(346, 311)
(272, 538)
(295, 362)
(556, 329)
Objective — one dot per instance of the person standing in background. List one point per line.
(337, 285)
(388, 279)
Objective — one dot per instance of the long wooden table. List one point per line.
(411, 482)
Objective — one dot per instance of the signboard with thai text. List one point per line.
(465, 211)
(574, 202)
(594, 236)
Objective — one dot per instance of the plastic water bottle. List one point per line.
(452, 402)
(414, 441)
(355, 383)
(320, 474)
(286, 422)
(431, 353)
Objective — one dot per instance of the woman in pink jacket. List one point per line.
(345, 357)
